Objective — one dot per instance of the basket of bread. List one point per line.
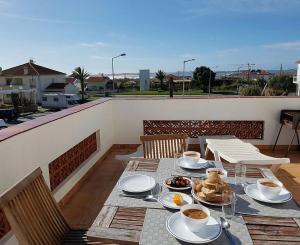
(210, 190)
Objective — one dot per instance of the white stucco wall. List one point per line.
(129, 114)
(24, 152)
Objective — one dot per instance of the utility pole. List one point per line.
(183, 71)
(249, 69)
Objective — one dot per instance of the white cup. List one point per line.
(267, 191)
(194, 225)
(187, 156)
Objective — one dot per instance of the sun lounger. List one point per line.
(234, 150)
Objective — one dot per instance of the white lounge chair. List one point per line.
(234, 150)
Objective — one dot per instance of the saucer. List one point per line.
(253, 192)
(202, 163)
(208, 233)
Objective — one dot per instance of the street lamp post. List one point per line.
(183, 73)
(249, 69)
(112, 69)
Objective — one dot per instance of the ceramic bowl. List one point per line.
(267, 191)
(194, 225)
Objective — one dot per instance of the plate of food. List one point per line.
(210, 191)
(174, 200)
(178, 183)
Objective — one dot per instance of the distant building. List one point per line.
(144, 80)
(252, 74)
(297, 78)
(98, 83)
(173, 76)
(31, 76)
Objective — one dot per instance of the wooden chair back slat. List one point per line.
(44, 213)
(54, 211)
(41, 219)
(19, 215)
(33, 213)
(164, 145)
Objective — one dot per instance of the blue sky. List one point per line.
(63, 34)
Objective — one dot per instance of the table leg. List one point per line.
(295, 134)
(277, 137)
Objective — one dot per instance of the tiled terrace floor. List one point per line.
(84, 206)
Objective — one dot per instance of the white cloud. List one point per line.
(208, 7)
(294, 45)
(35, 19)
(3, 2)
(190, 56)
(97, 57)
(93, 44)
(226, 52)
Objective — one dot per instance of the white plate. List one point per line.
(176, 188)
(203, 201)
(253, 192)
(202, 163)
(167, 200)
(136, 183)
(176, 227)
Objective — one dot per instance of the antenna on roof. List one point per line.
(31, 61)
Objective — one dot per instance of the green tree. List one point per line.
(160, 75)
(80, 74)
(282, 83)
(201, 77)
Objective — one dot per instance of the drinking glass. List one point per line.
(240, 174)
(228, 204)
(176, 158)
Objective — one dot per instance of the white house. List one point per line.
(31, 76)
(297, 78)
(98, 83)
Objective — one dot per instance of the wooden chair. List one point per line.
(163, 145)
(34, 215)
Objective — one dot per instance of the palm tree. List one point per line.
(80, 74)
(160, 75)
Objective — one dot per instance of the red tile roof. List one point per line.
(97, 79)
(298, 61)
(173, 76)
(32, 70)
